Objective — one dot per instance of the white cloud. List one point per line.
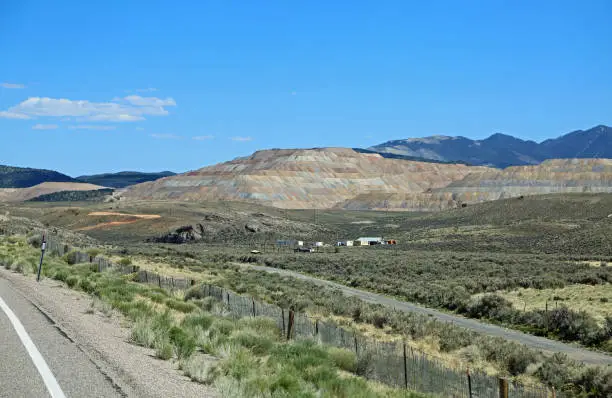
(146, 90)
(140, 128)
(13, 115)
(44, 126)
(137, 100)
(165, 136)
(241, 139)
(92, 127)
(12, 85)
(203, 137)
(129, 109)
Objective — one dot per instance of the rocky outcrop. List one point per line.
(303, 178)
(185, 234)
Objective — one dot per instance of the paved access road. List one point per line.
(37, 360)
(539, 343)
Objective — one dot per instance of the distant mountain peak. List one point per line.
(503, 150)
(432, 139)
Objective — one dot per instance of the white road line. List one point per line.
(39, 361)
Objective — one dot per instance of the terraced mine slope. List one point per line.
(551, 176)
(304, 178)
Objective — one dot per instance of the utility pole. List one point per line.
(42, 255)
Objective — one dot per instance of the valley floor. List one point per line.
(535, 342)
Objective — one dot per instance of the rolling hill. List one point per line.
(23, 177)
(500, 150)
(45, 188)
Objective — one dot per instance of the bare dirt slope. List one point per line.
(302, 178)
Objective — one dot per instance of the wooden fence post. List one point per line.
(316, 326)
(355, 340)
(228, 303)
(283, 319)
(159, 280)
(290, 326)
(469, 377)
(253, 301)
(193, 282)
(405, 367)
(503, 387)
(554, 392)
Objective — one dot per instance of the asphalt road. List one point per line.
(24, 373)
(539, 343)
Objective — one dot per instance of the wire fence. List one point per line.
(393, 363)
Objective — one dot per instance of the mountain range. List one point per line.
(500, 150)
(422, 174)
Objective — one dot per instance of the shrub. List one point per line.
(202, 321)
(572, 325)
(181, 306)
(199, 368)
(490, 306)
(595, 382)
(344, 359)
(195, 293)
(70, 258)
(60, 275)
(363, 367)
(72, 281)
(163, 348)
(125, 261)
(20, 265)
(143, 334)
(93, 252)
(258, 344)
(262, 326)
(184, 345)
(221, 327)
(557, 370)
(239, 365)
(35, 241)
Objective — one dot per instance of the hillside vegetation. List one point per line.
(74, 196)
(123, 179)
(22, 177)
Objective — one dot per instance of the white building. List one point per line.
(344, 243)
(367, 241)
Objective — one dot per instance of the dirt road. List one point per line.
(539, 343)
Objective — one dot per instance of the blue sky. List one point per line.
(91, 87)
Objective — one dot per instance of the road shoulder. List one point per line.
(131, 369)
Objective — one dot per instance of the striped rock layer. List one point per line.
(303, 178)
(342, 178)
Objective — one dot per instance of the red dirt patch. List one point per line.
(134, 218)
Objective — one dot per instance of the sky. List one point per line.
(91, 86)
